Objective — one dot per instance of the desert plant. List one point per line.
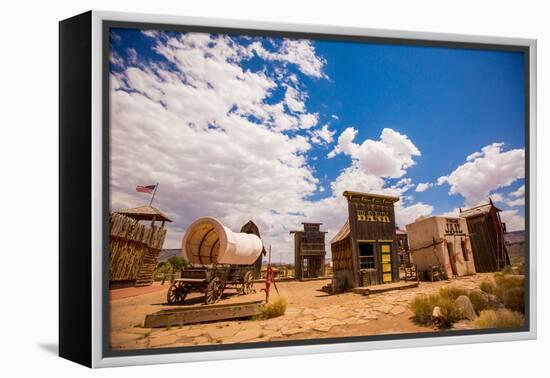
(502, 318)
(423, 306)
(177, 262)
(273, 309)
(479, 301)
(450, 312)
(487, 287)
(514, 299)
(452, 292)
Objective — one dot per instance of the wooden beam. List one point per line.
(200, 314)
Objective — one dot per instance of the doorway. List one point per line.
(385, 258)
(452, 259)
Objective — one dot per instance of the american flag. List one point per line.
(145, 188)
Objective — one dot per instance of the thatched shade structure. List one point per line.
(148, 213)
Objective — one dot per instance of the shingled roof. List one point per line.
(145, 213)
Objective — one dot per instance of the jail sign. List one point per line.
(453, 227)
(372, 216)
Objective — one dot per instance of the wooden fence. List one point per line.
(134, 249)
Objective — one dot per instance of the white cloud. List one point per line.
(294, 100)
(442, 180)
(520, 192)
(323, 135)
(490, 169)
(299, 52)
(388, 157)
(191, 126)
(514, 221)
(187, 127)
(423, 186)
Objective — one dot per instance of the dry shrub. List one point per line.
(487, 287)
(452, 292)
(273, 309)
(479, 301)
(424, 305)
(510, 289)
(449, 311)
(514, 299)
(502, 318)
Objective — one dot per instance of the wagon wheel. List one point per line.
(247, 283)
(177, 292)
(214, 291)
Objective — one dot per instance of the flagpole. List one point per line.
(153, 196)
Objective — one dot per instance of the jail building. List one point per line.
(443, 244)
(309, 251)
(364, 251)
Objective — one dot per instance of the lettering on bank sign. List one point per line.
(372, 216)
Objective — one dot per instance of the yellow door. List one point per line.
(385, 253)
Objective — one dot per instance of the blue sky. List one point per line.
(451, 114)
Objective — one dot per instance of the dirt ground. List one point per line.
(311, 314)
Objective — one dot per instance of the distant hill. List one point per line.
(514, 237)
(165, 254)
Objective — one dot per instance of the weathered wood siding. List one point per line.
(372, 231)
(483, 237)
(133, 249)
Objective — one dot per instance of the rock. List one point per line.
(221, 333)
(161, 341)
(201, 340)
(322, 328)
(466, 308)
(396, 310)
(291, 331)
(383, 308)
(436, 313)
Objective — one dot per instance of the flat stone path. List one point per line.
(310, 314)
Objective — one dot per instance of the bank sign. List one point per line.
(372, 216)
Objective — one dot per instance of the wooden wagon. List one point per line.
(212, 281)
(220, 258)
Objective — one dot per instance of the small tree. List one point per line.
(177, 263)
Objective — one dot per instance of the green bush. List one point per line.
(452, 292)
(273, 309)
(487, 287)
(479, 301)
(502, 318)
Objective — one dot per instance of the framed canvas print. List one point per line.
(231, 189)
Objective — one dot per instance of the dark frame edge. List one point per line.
(75, 193)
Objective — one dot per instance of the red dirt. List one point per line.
(127, 292)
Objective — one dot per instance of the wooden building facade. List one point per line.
(364, 252)
(403, 247)
(251, 228)
(309, 251)
(134, 247)
(487, 235)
